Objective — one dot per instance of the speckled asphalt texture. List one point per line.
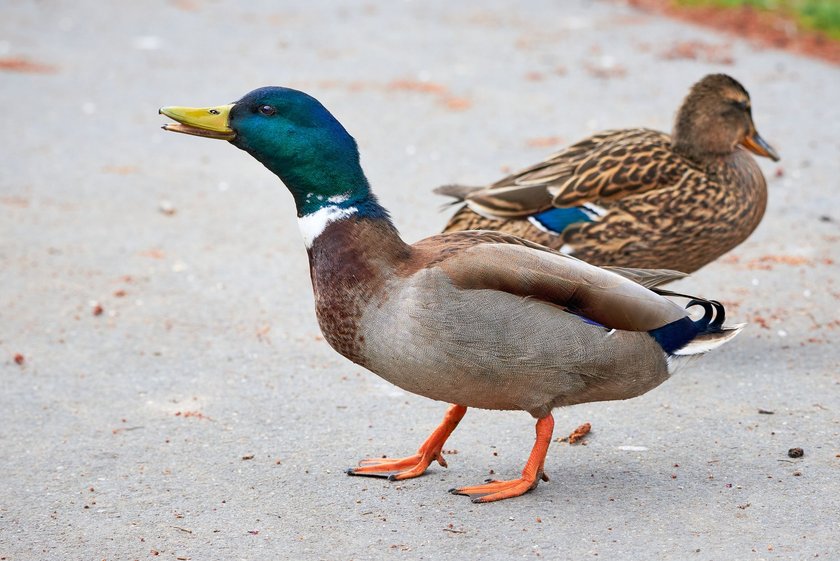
(174, 398)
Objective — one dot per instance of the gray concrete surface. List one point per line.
(125, 435)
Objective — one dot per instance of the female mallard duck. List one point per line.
(637, 197)
(476, 319)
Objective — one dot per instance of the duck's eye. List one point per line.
(267, 110)
(742, 105)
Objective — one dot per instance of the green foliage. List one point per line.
(822, 15)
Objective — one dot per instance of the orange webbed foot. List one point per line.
(531, 475)
(498, 490)
(396, 469)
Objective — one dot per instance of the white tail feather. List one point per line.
(706, 342)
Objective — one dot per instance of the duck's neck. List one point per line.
(345, 240)
(694, 139)
(343, 230)
(317, 212)
(706, 159)
(327, 186)
(327, 189)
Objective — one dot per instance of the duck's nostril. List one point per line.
(214, 111)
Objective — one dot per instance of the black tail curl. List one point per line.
(690, 337)
(714, 314)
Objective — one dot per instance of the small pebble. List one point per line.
(796, 453)
(166, 207)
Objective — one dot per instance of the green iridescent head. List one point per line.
(290, 133)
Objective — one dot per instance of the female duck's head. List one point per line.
(716, 117)
(290, 133)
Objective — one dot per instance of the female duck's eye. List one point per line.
(742, 105)
(267, 110)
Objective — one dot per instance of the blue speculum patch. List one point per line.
(558, 219)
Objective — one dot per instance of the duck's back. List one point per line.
(625, 198)
(684, 226)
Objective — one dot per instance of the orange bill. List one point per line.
(757, 145)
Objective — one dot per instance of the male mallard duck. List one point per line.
(475, 319)
(637, 197)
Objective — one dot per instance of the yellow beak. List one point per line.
(210, 122)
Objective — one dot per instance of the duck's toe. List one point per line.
(498, 490)
(395, 469)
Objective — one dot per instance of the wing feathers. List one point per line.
(608, 166)
(649, 278)
(600, 295)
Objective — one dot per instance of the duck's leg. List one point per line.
(413, 466)
(531, 475)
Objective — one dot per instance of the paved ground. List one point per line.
(201, 416)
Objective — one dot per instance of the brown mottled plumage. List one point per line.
(653, 200)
